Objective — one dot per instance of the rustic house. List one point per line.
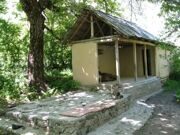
(107, 48)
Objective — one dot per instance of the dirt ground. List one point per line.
(166, 117)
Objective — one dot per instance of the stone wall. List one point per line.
(87, 123)
(143, 88)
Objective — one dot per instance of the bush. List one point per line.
(62, 81)
(178, 95)
(64, 84)
(172, 85)
(3, 106)
(174, 79)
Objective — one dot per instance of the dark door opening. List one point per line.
(148, 56)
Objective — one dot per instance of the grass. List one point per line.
(62, 81)
(173, 85)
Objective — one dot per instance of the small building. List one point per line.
(106, 48)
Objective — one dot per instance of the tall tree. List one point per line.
(34, 10)
(170, 9)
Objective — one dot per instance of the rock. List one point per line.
(3, 106)
(17, 126)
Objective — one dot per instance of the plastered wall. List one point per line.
(107, 59)
(126, 62)
(85, 63)
(162, 65)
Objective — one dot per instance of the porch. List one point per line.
(125, 61)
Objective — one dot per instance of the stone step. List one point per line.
(66, 115)
(128, 122)
(73, 124)
(143, 88)
(6, 125)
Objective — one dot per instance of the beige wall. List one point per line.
(107, 59)
(85, 63)
(162, 65)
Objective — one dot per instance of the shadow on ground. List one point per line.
(166, 117)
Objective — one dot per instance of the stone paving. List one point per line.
(81, 112)
(72, 113)
(128, 122)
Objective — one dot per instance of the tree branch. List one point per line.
(53, 34)
(27, 5)
(45, 4)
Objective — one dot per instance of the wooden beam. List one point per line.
(87, 32)
(135, 61)
(136, 41)
(92, 26)
(145, 61)
(79, 26)
(111, 30)
(97, 40)
(102, 33)
(117, 61)
(113, 38)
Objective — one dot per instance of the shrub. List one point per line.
(171, 85)
(62, 81)
(3, 106)
(64, 84)
(174, 79)
(178, 95)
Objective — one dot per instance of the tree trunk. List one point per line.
(36, 52)
(34, 10)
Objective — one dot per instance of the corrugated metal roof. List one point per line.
(125, 27)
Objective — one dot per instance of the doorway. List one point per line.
(149, 64)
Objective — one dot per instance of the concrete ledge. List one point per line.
(46, 115)
(64, 125)
(143, 88)
(6, 128)
(130, 121)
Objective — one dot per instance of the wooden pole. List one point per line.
(117, 61)
(135, 61)
(145, 61)
(155, 61)
(92, 27)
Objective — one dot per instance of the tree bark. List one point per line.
(36, 52)
(34, 11)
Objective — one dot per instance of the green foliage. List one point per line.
(12, 60)
(170, 10)
(174, 79)
(2, 6)
(14, 41)
(62, 81)
(3, 106)
(178, 95)
(175, 63)
(172, 85)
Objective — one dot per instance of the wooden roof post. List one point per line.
(155, 61)
(145, 61)
(135, 61)
(92, 27)
(117, 61)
